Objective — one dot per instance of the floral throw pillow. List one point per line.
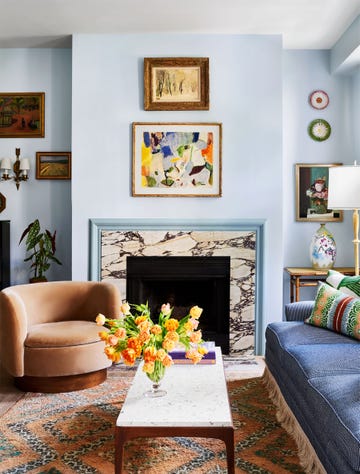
(347, 284)
(336, 311)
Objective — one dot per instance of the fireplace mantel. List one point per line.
(243, 240)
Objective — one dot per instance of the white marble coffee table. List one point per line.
(196, 405)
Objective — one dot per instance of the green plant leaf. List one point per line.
(26, 231)
(32, 237)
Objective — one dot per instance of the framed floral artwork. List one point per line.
(53, 165)
(22, 114)
(312, 193)
(176, 83)
(177, 159)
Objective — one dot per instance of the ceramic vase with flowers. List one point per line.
(136, 336)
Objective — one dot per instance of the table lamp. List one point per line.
(344, 194)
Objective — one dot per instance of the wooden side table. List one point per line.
(305, 276)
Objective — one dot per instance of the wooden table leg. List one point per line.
(297, 288)
(230, 449)
(120, 439)
(291, 289)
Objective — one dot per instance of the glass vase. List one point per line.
(322, 249)
(156, 376)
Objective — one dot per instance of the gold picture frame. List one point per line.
(312, 193)
(176, 83)
(176, 159)
(53, 165)
(2, 202)
(22, 114)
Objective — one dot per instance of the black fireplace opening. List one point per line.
(184, 282)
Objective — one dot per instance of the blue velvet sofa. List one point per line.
(314, 378)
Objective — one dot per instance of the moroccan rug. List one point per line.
(74, 433)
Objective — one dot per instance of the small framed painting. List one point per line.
(53, 165)
(176, 83)
(312, 194)
(177, 159)
(2, 202)
(22, 115)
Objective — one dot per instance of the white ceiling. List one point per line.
(304, 24)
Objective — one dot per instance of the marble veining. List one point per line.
(196, 396)
(116, 245)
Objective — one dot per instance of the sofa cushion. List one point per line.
(336, 402)
(294, 333)
(62, 334)
(282, 335)
(347, 284)
(336, 311)
(316, 360)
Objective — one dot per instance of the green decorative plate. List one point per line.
(319, 130)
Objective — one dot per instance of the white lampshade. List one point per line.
(5, 164)
(344, 187)
(24, 164)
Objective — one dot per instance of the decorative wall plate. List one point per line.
(319, 130)
(319, 100)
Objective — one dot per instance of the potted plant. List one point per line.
(42, 248)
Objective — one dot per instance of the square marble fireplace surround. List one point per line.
(112, 241)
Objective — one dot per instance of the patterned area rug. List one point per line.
(73, 433)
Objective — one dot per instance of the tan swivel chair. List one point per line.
(48, 336)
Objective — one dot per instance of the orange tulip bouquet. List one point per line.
(135, 335)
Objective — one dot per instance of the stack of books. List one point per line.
(178, 354)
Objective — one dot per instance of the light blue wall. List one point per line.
(49, 71)
(258, 91)
(245, 95)
(303, 72)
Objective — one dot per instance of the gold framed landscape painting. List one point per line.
(22, 114)
(312, 181)
(176, 159)
(176, 83)
(53, 165)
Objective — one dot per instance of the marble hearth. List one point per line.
(112, 241)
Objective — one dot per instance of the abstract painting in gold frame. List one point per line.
(177, 159)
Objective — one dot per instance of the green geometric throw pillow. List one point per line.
(336, 311)
(347, 284)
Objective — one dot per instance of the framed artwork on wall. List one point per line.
(177, 159)
(2, 202)
(53, 165)
(176, 83)
(312, 193)
(22, 114)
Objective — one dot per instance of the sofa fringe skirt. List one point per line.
(307, 455)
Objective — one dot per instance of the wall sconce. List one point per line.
(20, 169)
